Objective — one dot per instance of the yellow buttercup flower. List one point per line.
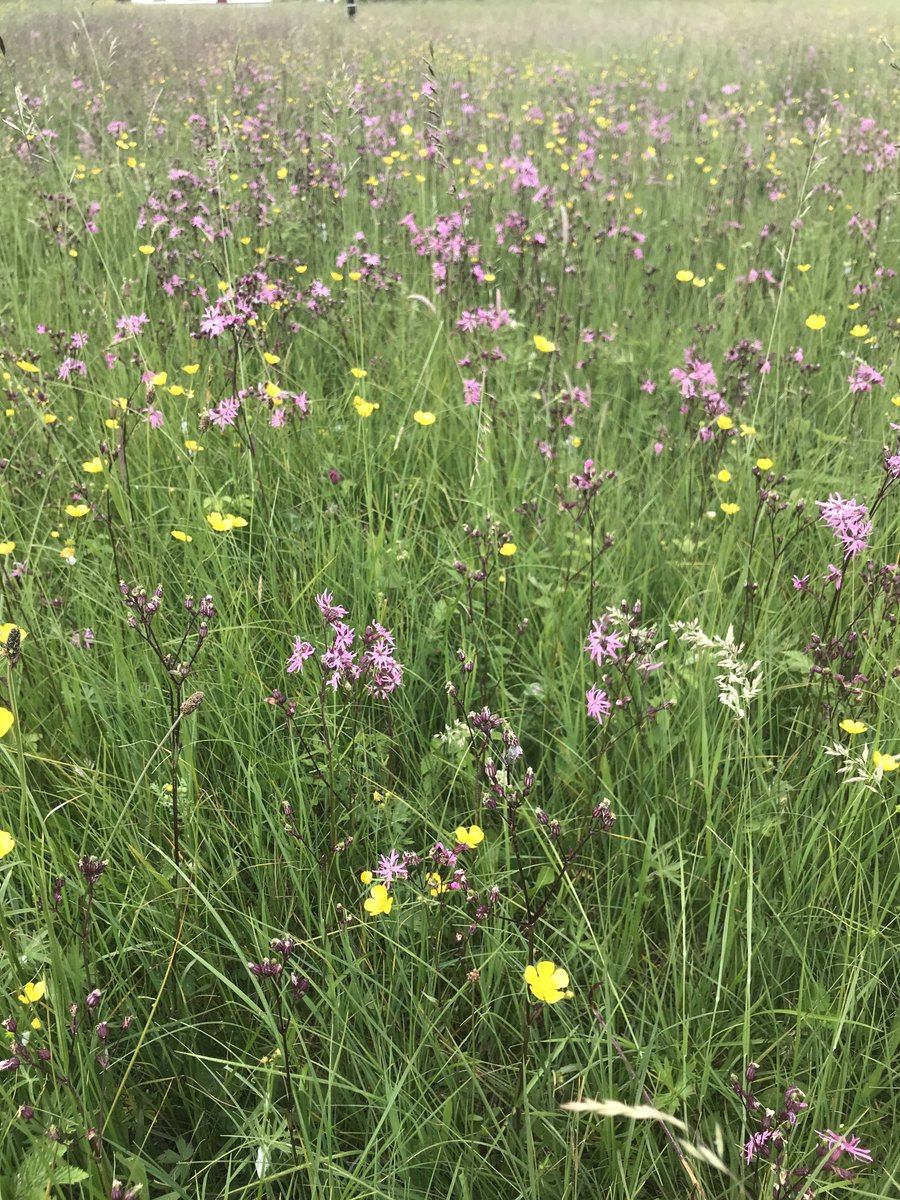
(180, 536)
(815, 321)
(508, 549)
(547, 982)
(358, 372)
(7, 547)
(859, 331)
(853, 727)
(224, 524)
(27, 367)
(765, 464)
(729, 508)
(7, 720)
(424, 418)
(77, 510)
(363, 407)
(93, 466)
(7, 843)
(379, 901)
(6, 630)
(884, 762)
(543, 344)
(31, 993)
(147, 249)
(724, 476)
(472, 836)
(684, 276)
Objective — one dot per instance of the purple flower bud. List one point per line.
(604, 815)
(267, 969)
(26, 1112)
(92, 999)
(92, 867)
(299, 986)
(103, 1031)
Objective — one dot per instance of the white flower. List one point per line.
(740, 682)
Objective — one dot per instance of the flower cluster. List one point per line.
(769, 1143)
(849, 523)
(620, 645)
(740, 682)
(439, 871)
(370, 664)
(283, 950)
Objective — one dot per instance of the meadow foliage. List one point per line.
(449, 601)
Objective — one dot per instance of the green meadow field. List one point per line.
(449, 600)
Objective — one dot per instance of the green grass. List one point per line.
(743, 907)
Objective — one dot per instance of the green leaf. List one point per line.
(43, 1169)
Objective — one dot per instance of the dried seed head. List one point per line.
(192, 703)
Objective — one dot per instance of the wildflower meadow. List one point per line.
(449, 600)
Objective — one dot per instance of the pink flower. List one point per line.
(838, 1144)
(603, 642)
(598, 704)
(301, 652)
